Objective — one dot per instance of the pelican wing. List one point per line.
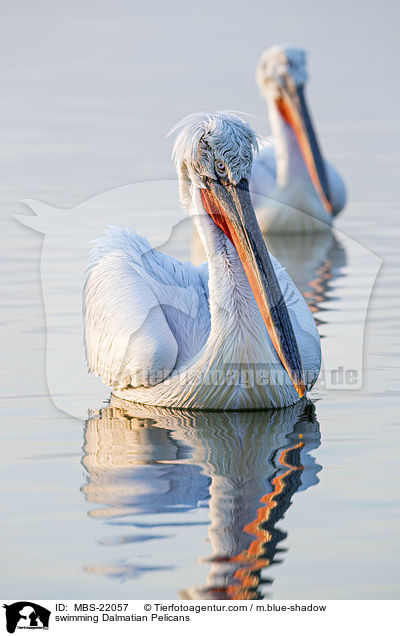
(145, 313)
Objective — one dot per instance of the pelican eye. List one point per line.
(220, 167)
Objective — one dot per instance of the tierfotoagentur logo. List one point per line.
(318, 266)
(26, 615)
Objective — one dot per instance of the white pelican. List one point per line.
(235, 335)
(290, 175)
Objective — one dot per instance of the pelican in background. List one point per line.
(233, 334)
(294, 189)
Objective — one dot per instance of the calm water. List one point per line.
(131, 502)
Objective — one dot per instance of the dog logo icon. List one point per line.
(26, 615)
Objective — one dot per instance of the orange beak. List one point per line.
(293, 109)
(231, 209)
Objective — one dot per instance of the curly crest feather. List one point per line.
(206, 137)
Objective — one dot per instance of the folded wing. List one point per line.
(145, 313)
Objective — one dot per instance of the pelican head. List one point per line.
(280, 64)
(281, 76)
(213, 156)
(212, 147)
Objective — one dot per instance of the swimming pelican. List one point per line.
(290, 174)
(233, 334)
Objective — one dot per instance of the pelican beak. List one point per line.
(293, 108)
(231, 209)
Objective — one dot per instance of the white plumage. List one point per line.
(145, 312)
(283, 185)
(167, 333)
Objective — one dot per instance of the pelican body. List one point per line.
(294, 189)
(232, 334)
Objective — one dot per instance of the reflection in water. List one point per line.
(122, 458)
(247, 464)
(313, 261)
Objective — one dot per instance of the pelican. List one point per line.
(294, 189)
(231, 334)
